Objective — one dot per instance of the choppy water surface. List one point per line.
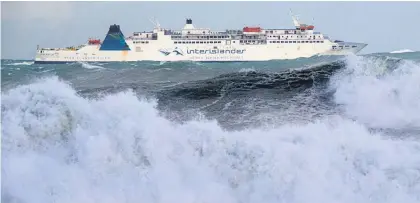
(323, 129)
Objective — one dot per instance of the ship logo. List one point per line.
(177, 51)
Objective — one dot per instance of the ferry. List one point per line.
(252, 43)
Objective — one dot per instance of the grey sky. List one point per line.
(385, 26)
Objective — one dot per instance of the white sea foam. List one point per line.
(59, 147)
(25, 63)
(245, 70)
(377, 96)
(90, 66)
(401, 51)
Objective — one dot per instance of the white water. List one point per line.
(59, 147)
(401, 51)
(90, 66)
(27, 63)
(377, 97)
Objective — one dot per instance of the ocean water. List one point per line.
(323, 129)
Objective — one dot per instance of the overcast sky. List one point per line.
(385, 26)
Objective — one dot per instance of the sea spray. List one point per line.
(379, 96)
(119, 149)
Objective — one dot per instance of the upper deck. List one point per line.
(189, 34)
(248, 35)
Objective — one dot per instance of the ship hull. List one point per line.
(198, 54)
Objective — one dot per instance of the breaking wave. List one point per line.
(401, 51)
(60, 147)
(251, 79)
(26, 63)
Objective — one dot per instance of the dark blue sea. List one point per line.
(340, 129)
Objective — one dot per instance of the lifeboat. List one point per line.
(94, 41)
(310, 27)
(251, 29)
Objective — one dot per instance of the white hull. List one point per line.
(91, 53)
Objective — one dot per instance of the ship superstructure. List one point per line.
(202, 44)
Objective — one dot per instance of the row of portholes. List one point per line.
(197, 42)
(296, 41)
(87, 58)
(345, 47)
(140, 42)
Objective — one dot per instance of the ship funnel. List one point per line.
(114, 40)
(114, 29)
(189, 21)
(188, 24)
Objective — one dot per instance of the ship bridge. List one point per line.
(190, 29)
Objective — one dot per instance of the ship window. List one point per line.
(353, 46)
(294, 41)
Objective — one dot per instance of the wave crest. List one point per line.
(119, 149)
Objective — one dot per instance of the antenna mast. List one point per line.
(155, 23)
(295, 19)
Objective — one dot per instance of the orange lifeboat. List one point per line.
(310, 27)
(251, 29)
